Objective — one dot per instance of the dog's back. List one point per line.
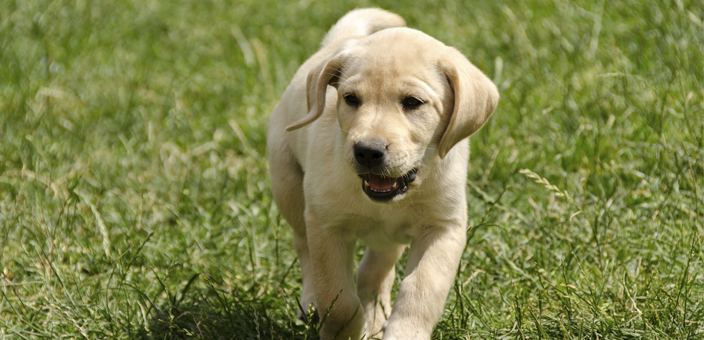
(362, 22)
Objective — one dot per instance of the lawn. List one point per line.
(134, 193)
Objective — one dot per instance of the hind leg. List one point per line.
(287, 187)
(375, 278)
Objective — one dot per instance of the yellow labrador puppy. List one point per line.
(369, 142)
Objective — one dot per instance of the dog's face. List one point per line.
(403, 97)
(392, 111)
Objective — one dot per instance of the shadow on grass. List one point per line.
(214, 313)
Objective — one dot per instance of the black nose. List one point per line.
(370, 153)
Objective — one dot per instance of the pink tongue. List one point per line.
(379, 183)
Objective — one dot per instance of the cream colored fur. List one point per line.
(370, 54)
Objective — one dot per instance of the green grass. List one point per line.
(134, 191)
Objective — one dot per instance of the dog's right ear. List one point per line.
(324, 74)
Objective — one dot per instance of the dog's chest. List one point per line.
(386, 235)
(384, 228)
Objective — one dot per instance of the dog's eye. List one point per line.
(351, 100)
(410, 103)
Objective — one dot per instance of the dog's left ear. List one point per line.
(476, 98)
(325, 73)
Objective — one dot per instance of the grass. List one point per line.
(134, 191)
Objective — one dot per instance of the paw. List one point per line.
(309, 314)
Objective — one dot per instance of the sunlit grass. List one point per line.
(134, 190)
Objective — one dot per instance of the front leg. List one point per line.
(332, 256)
(432, 265)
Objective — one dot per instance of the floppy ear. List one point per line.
(324, 74)
(476, 98)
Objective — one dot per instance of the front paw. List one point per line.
(343, 325)
(308, 314)
(394, 330)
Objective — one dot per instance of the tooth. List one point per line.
(366, 183)
(395, 185)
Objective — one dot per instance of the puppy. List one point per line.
(369, 142)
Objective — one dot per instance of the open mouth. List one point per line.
(382, 188)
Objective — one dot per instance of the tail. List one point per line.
(362, 22)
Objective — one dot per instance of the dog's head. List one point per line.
(403, 97)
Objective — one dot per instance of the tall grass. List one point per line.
(134, 191)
